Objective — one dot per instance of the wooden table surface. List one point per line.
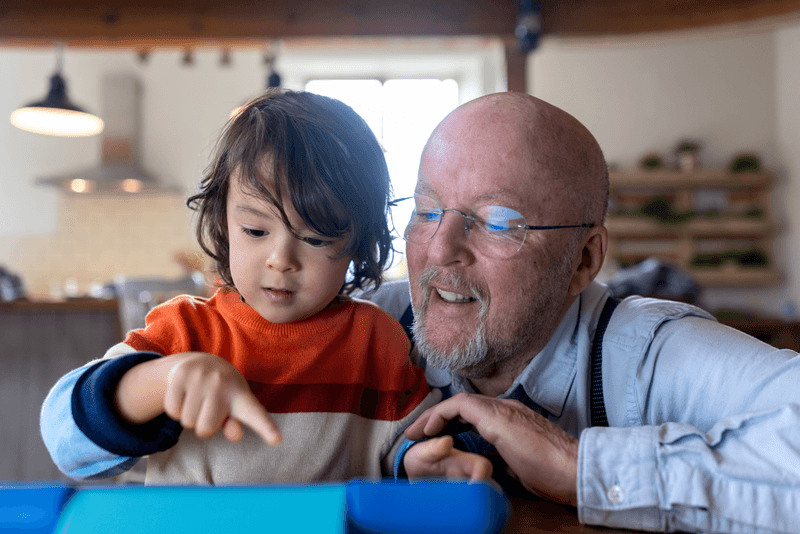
(531, 516)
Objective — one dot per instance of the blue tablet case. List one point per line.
(359, 507)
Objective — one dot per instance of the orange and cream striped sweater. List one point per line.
(340, 385)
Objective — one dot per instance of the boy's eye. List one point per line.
(252, 232)
(317, 242)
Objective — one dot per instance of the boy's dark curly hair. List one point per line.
(319, 154)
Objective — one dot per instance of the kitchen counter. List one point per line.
(79, 304)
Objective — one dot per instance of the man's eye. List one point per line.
(252, 232)
(317, 242)
(428, 215)
(496, 226)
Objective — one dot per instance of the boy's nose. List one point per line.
(283, 257)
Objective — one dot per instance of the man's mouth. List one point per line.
(450, 296)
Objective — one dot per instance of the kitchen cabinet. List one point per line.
(42, 341)
(717, 226)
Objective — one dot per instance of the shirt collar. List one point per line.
(550, 375)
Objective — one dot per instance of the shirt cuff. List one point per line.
(616, 478)
(399, 466)
(96, 416)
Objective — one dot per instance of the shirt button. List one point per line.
(616, 494)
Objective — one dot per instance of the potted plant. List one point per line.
(687, 155)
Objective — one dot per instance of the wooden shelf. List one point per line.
(733, 276)
(705, 178)
(740, 219)
(723, 226)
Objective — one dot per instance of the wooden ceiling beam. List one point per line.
(598, 17)
(153, 23)
(150, 23)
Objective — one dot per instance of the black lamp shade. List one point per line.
(56, 115)
(57, 96)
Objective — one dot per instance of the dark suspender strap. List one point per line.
(598, 406)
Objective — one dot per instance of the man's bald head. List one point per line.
(561, 151)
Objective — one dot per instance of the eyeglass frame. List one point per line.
(468, 219)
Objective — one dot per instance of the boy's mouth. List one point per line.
(279, 293)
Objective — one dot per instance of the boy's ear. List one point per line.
(589, 259)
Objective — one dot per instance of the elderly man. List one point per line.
(503, 246)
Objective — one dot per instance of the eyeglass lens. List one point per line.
(494, 230)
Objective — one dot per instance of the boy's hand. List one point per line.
(206, 393)
(437, 457)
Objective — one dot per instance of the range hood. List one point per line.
(120, 172)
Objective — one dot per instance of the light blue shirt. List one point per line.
(704, 420)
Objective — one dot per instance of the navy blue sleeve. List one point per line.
(96, 416)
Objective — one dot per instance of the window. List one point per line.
(402, 113)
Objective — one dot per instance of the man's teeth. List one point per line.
(449, 296)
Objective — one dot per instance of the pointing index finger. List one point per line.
(253, 415)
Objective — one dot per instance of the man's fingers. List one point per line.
(462, 407)
(415, 430)
(247, 410)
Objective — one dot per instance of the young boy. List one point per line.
(279, 375)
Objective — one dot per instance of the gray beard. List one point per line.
(479, 357)
(483, 355)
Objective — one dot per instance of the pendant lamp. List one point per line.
(56, 114)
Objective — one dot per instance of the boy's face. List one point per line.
(281, 277)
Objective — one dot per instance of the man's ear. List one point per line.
(589, 259)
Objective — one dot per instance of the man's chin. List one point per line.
(468, 359)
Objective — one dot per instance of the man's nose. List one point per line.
(283, 254)
(450, 243)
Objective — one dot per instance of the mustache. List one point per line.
(453, 280)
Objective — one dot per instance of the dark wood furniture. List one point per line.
(778, 333)
(532, 516)
(42, 341)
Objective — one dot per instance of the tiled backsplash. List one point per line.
(101, 237)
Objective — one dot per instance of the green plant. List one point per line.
(745, 163)
(661, 209)
(754, 213)
(687, 145)
(651, 161)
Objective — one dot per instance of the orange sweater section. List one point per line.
(351, 357)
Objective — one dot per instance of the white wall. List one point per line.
(735, 89)
(185, 107)
(787, 111)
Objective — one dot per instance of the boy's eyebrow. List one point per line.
(245, 209)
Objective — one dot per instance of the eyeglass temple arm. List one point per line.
(557, 227)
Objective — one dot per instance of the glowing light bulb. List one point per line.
(79, 185)
(60, 122)
(131, 185)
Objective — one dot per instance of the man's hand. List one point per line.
(438, 458)
(544, 457)
(206, 393)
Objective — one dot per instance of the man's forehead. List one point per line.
(469, 198)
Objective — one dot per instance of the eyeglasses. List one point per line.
(499, 232)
